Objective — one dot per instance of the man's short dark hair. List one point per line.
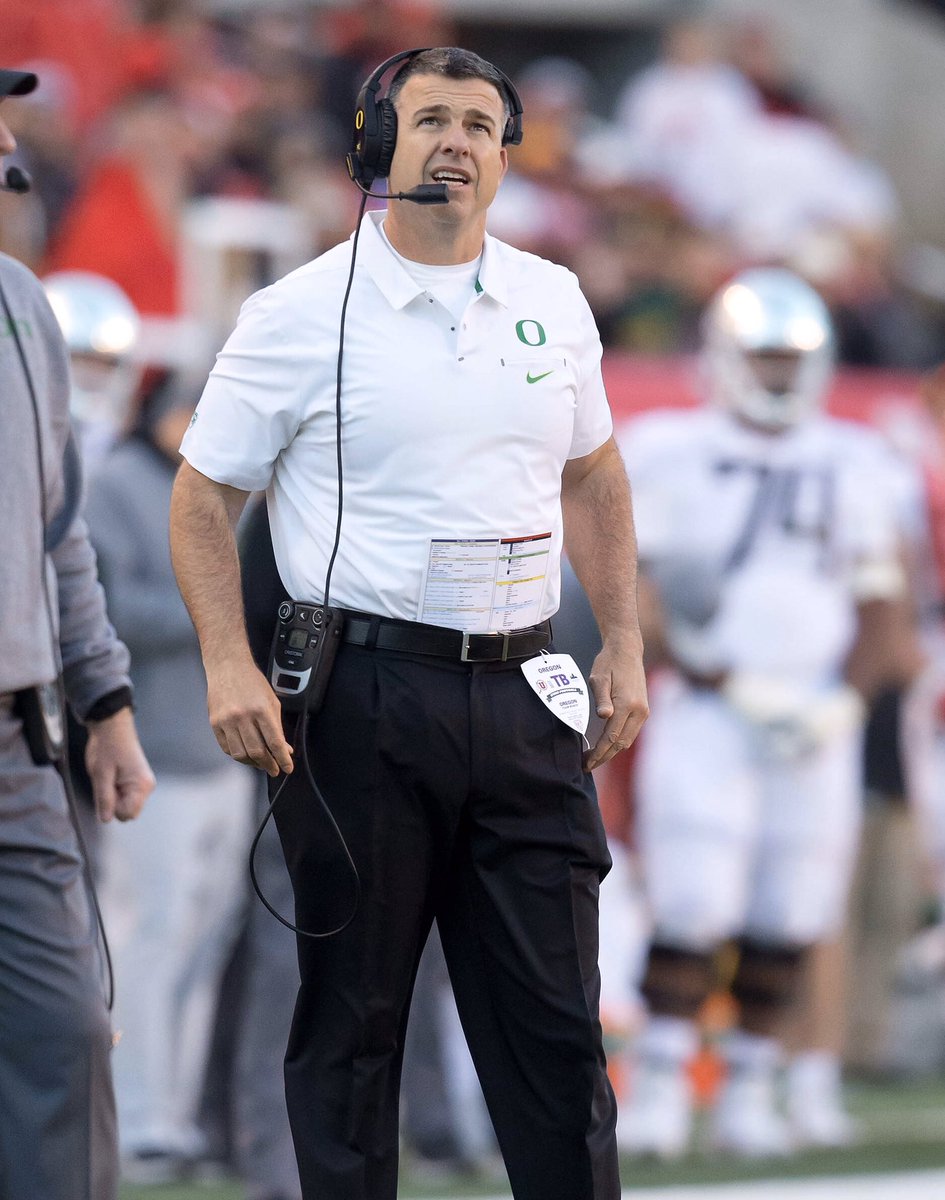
(453, 63)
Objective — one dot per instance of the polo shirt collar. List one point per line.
(398, 287)
(493, 277)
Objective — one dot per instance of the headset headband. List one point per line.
(375, 122)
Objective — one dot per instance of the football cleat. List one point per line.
(746, 1121)
(657, 1121)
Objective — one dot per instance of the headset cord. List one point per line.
(62, 762)
(300, 735)
(341, 353)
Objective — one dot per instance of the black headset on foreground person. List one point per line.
(371, 157)
(375, 134)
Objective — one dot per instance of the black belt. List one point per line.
(388, 633)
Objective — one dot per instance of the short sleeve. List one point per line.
(593, 422)
(254, 399)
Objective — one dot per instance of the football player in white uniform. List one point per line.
(766, 532)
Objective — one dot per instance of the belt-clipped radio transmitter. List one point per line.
(303, 652)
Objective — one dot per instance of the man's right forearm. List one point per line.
(244, 712)
(203, 550)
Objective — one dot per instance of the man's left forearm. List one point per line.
(599, 538)
(601, 544)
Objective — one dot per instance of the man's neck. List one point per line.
(434, 243)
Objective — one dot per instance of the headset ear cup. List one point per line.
(387, 136)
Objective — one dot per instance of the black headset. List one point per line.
(375, 123)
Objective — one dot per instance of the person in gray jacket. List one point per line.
(57, 1131)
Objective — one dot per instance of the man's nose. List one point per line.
(456, 138)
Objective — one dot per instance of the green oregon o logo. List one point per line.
(533, 328)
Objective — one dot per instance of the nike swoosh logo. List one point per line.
(530, 378)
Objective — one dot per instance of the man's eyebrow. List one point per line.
(440, 109)
(479, 115)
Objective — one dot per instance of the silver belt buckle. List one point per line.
(464, 652)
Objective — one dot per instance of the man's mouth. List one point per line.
(451, 177)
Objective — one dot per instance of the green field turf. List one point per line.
(903, 1129)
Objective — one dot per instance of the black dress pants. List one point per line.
(460, 798)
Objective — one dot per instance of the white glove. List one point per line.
(792, 722)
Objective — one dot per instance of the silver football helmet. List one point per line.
(768, 348)
(101, 328)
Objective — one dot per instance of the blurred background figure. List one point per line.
(769, 541)
(683, 119)
(172, 895)
(541, 206)
(101, 327)
(145, 173)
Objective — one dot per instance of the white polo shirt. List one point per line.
(452, 428)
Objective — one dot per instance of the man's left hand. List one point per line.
(618, 682)
(121, 778)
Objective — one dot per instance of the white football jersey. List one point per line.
(758, 542)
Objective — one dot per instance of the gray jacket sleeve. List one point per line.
(94, 661)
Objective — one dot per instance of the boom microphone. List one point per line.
(424, 193)
(16, 180)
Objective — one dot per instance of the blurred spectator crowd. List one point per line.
(711, 159)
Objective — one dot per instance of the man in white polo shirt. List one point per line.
(475, 442)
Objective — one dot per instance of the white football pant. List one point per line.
(736, 842)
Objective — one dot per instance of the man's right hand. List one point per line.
(244, 710)
(246, 717)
